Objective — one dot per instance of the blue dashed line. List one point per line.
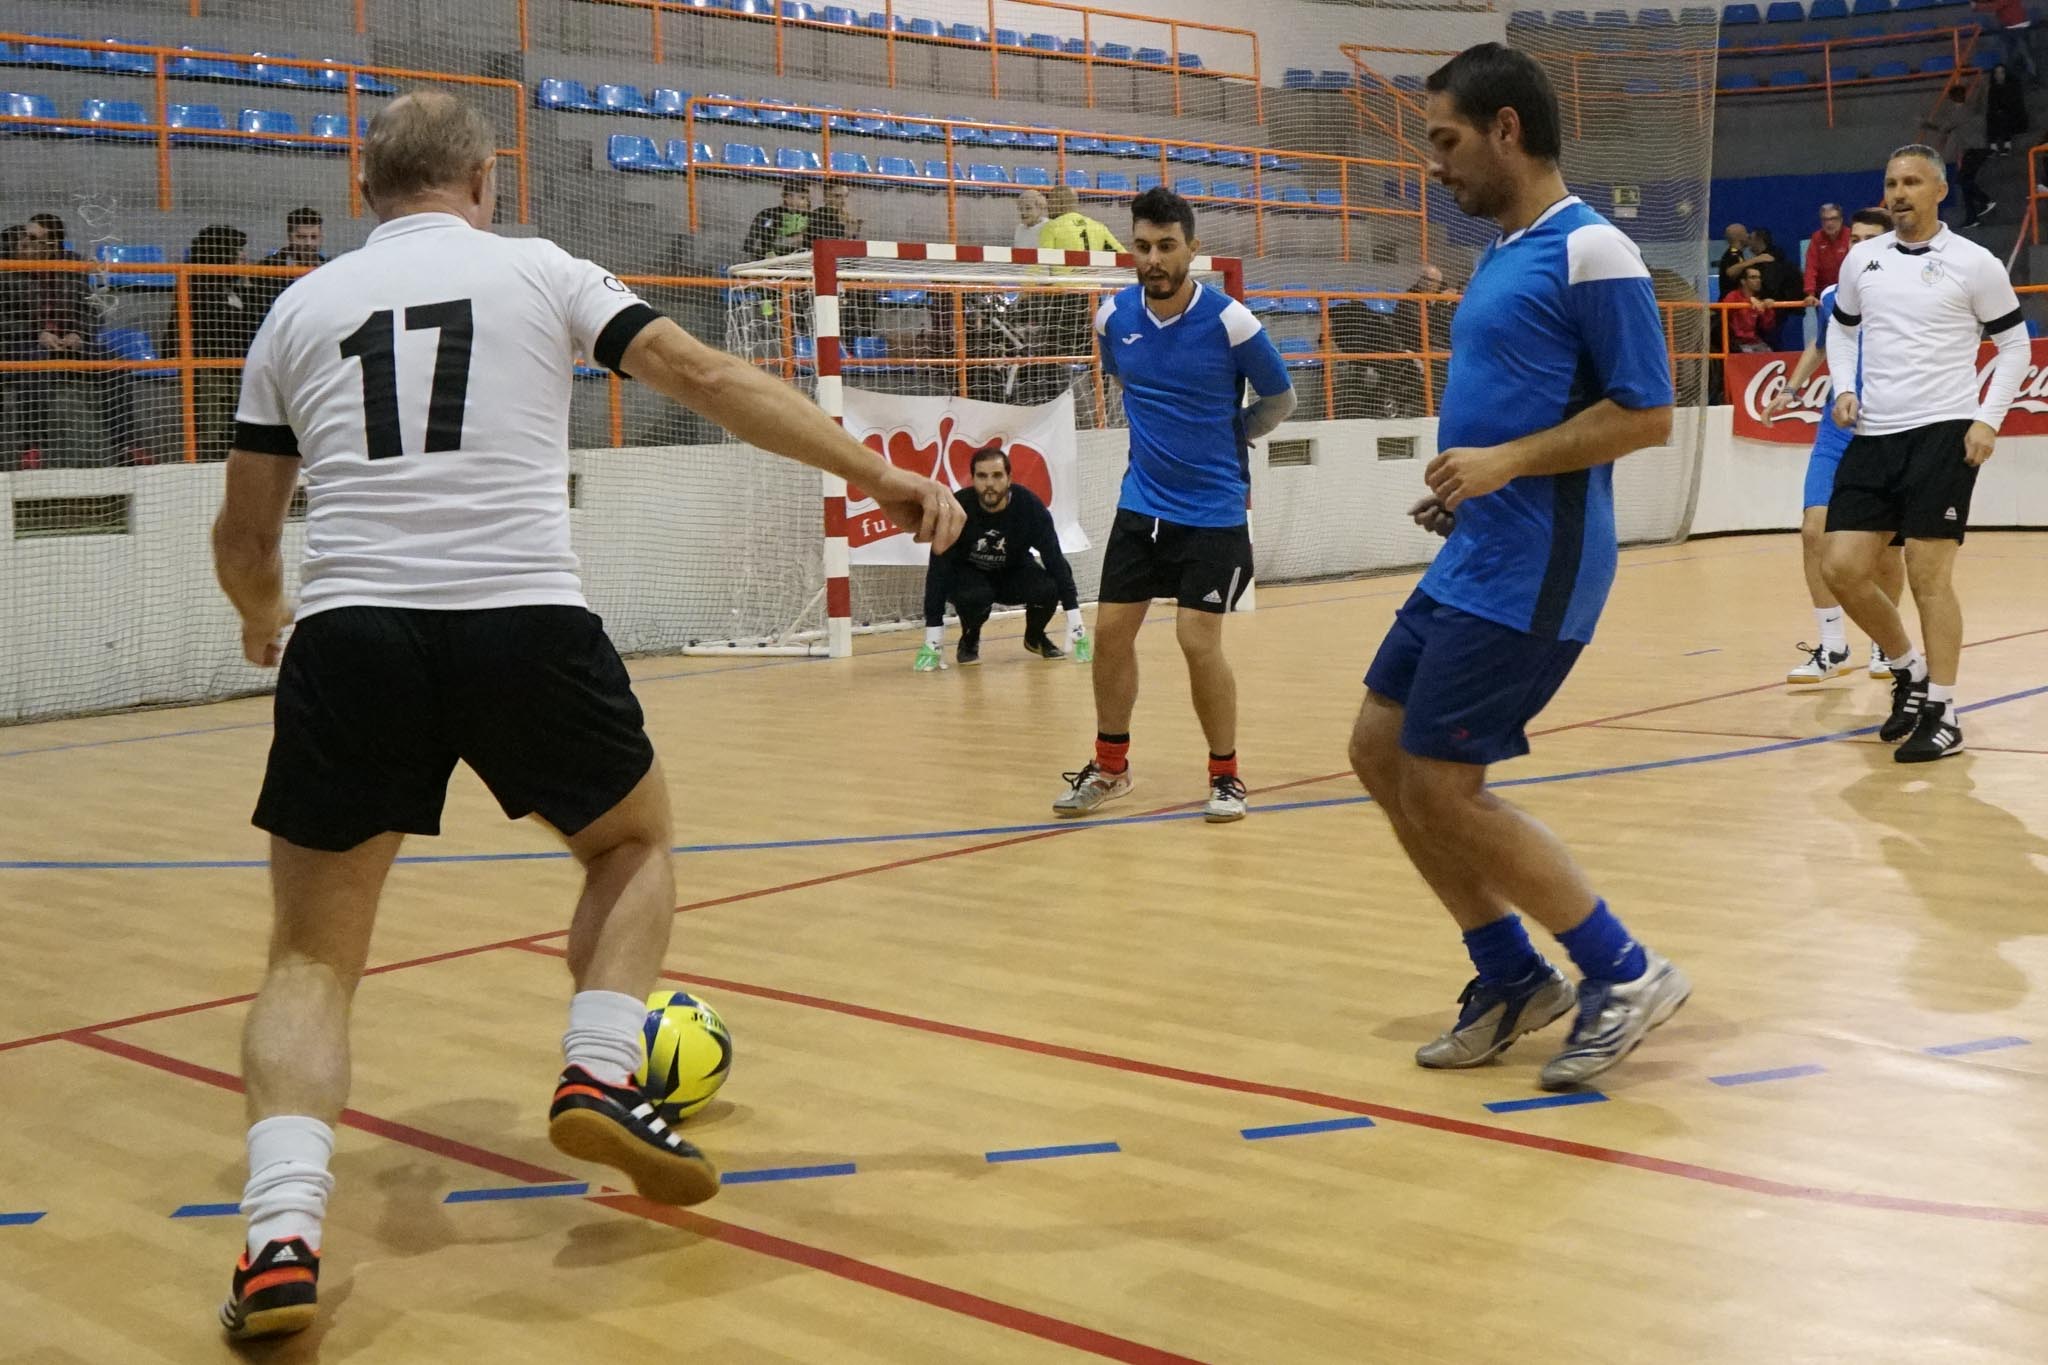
(1980, 1045)
(20, 1220)
(206, 1210)
(516, 1192)
(1047, 1153)
(1280, 1130)
(1783, 1073)
(1546, 1102)
(767, 1174)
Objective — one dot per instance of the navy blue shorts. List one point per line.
(1470, 685)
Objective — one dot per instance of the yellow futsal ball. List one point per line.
(688, 1056)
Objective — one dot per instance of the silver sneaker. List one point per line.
(1090, 788)
(1491, 1017)
(1226, 800)
(1613, 1018)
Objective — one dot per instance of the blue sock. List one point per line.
(1502, 951)
(1602, 949)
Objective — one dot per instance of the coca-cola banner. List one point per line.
(1756, 378)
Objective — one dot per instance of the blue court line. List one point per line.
(1782, 1073)
(20, 1220)
(1296, 1129)
(206, 1210)
(516, 1192)
(1046, 1153)
(1546, 1102)
(1979, 1045)
(1695, 653)
(769, 1173)
(136, 739)
(996, 831)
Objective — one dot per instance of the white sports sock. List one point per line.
(1834, 637)
(934, 635)
(1942, 693)
(604, 1036)
(288, 1180)
(1914, 664)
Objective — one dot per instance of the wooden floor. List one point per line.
(1834, 1153)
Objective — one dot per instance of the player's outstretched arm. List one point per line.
(247, 556)
(763, 411)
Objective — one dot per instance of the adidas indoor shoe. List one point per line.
(1090, 788)
(1491, 1016)
(274, 1294)
(616, 1126)
(1613, 1017)
(1935, 735)
(1821, 664)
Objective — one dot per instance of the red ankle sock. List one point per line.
(1112, 756)
(1225, 766)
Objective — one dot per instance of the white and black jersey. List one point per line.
(1918, 311)
(425, 382)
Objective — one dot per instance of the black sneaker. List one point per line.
(970, 648)
(617, 1126)
(275, 1294)
(1936, 735)
(1907, 699)
(1043, 647)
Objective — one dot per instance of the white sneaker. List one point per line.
(1090, 788)
(1226, 799)
(1821, 664)
(1880, 667)
(1613, 1018)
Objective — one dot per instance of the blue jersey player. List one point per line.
(1184, 354)
(1558, 369)
(1830, 658)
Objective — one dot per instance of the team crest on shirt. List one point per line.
(1931, 272)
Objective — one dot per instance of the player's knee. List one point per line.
(1376, 758)
(1440, 807)
(1841, 567)
(1813, 535)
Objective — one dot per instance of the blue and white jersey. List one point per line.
(1558, 316)
(1183, 380)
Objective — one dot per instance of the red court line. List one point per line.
(1059, 1331)
(1684, 1170)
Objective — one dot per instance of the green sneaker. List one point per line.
(1082, 647)
(927, 660)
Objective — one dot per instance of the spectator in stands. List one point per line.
(1946, 130)
(1753, 321)
(779, 229)
(1824, 252)
(832, 221)
(1069, 229)
(1030, 218)
(1782, 281)
(1410, 332)
(15, 342)
(1728, 265)
(224, 322)
(2005, 111)
(62, 321)
(2015, 28)
(304, 234)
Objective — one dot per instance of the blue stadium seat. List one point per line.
(1119, 147)
(1075, 47)
(1330, 198)
(797, 159)
(1191, 61)
(1147, 182)
(205, 67)
(622, 99)
(681, 153)
(1268, 193)
(1783, 78)
(200, 118)
(1839, 74)
(116, 254)
(936, 170)
(1080, 180)
(1004, 137)
(669, 102)
(1042, 42)
(1298, 352)
(1156, 56)
(1740, 14)
(1114, 182)
(1654, 18)
(1409, 84)
(1297, 78)
(271, 121)
(1295, 194)
(1240, 160)
(1610, 18)
(334, 127)
(851, 163)
(967, 33)
(632, 152)
(559, 94)
(134, 343)
(1526, 18)
(1042, 140)
(1569, 18)
(799, 11)
(1867, 8)
(1785, 12)
(983, 172)
(743, 154)
(1115, 52)
(1085, 146)
(1934, 65)
(896, 165)
(1984, 59)
(727, 113)
(867, 348)
(1196, 155)
(127, 63)
(967, 135)
(50, 54)
(1188, 186)
(1225, 189)
(923, 28)
(1297, 305)
(116, 111)
(1009, 37)
(1828, 9)
(1740, 80)
(1037, 176)
(1884, 71)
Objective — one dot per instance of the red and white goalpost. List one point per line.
(831, 266)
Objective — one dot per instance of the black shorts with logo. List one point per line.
(1205, 568)
(1915, 483)
(376, 704)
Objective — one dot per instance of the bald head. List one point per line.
(429, 144)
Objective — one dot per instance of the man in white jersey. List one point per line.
(1918, 298)
(422, 383)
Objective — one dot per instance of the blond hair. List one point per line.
(1061, 199)
(427, 140)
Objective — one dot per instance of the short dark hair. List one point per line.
(51, 224)
(1161, 206)
(302, 217)
(1876, 218)
(1486, 79)
(990, 452)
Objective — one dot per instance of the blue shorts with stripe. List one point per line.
(1822, 464)
(1470, 686)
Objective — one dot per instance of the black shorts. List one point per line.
(1206, 568)
(375, 705)
(1915, 483)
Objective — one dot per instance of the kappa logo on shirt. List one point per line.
(1872, 266)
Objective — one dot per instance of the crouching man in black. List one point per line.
(992, 562)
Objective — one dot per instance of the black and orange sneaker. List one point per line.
(617, 1126)
(275, 1294)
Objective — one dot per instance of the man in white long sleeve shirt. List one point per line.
(1918, 298)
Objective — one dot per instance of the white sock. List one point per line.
(1834, 637)
(1938, 692)
(1075, 622)
(288, 1180)
(604, 1036)
(1914, 664)
(933, 635)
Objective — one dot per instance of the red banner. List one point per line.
(1756, 378)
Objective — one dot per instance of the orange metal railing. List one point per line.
(164, 134)
(1346, 170)
(891, 37)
